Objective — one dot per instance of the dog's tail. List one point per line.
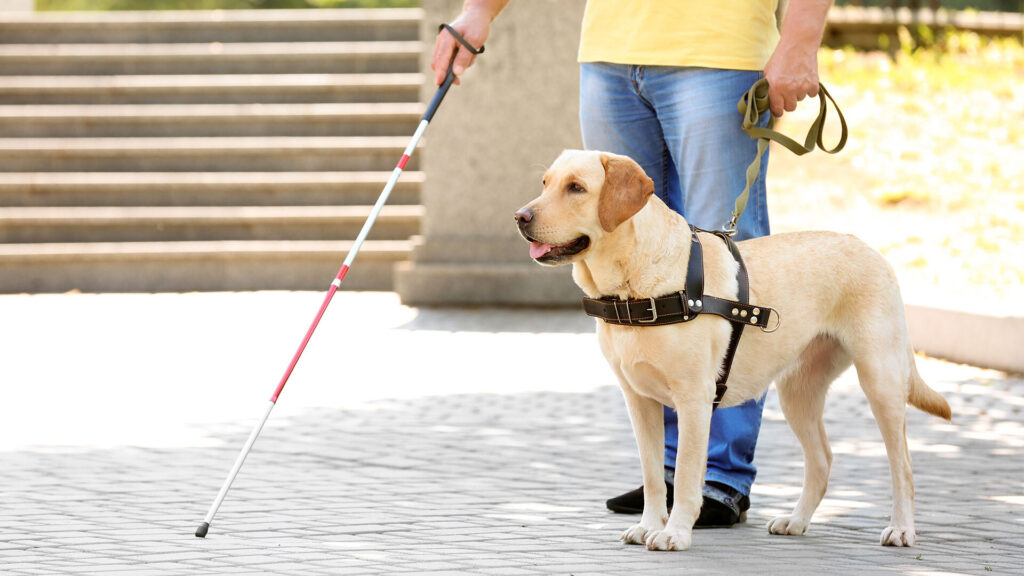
(924, 398)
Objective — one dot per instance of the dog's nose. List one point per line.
(524, 216)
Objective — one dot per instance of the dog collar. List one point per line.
(690, 302)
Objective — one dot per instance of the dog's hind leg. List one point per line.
(648, 420)
(802, 396)
(883, 377)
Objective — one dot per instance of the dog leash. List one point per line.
(755, 103)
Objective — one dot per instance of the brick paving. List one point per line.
(427, 442)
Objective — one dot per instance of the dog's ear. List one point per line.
(625, 191)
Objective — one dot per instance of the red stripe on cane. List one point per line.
(309, 333)
(401, 163)
(305, 340)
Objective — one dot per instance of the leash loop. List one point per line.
(752, 106)
(755, 103)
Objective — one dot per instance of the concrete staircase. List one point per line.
(234, 150)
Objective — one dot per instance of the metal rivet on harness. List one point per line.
(753, 319)
(757, 311)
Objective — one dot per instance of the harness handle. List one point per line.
(755, 103)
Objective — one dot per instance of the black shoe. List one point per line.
(723, 506)
(632, 502)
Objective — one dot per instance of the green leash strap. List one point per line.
(755, 103)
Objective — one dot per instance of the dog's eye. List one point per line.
(576, 188)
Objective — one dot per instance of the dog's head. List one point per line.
(586, 196)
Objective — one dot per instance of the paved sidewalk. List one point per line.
(427, 442)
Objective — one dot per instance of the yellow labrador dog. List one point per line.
(838, 298)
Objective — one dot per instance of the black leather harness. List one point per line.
(687, 304)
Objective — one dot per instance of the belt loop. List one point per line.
(683, 306)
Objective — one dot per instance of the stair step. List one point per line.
(191, 223)
(207, 26)
(210, 88)
(185, 266)
(211, 58)
(203, 153)
(332, 119)
(205, 150)
(203, 188)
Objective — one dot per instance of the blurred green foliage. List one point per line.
(216, 4)
(948, 58)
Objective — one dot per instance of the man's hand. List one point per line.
(792, 70)
(792, 74)
(474, 24)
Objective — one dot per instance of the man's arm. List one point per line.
(792, 70)
(474, 24)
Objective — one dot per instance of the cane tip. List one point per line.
(202, 530)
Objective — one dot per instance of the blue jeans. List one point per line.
(682, 126)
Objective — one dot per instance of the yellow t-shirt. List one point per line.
(734, 35)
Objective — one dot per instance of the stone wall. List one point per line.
(487, 148)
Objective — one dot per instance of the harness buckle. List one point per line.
(654, 310)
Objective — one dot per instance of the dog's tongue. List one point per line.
(538, 249)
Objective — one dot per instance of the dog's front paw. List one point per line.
(898, 536)
(668, 539)
(636, 533)
(787, 525)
